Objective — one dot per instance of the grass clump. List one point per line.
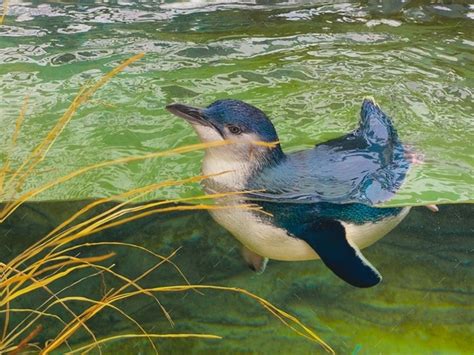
(56, 267)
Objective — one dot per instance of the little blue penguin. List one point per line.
(316, 203)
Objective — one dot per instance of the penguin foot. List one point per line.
(432, 208)
(414, 157)
(254, 261)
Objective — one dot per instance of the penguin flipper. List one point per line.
(254, 261)
(328, 239)
(376, 127)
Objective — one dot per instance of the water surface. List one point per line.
(308, 64)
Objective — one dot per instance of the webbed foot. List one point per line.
(254, 261)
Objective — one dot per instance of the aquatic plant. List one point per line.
(57, 257)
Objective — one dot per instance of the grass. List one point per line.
(4, 10)
(57, 258)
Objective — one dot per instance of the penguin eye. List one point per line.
(234, 129)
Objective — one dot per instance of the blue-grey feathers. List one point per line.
(366, 166)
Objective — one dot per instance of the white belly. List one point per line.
(275, 243)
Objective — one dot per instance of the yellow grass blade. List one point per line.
(88, 314)
(16, 132)
(19, 122)
(4, 10)
(7, 315)
(70, 261)
(129, 282)
(126, 195)
(144, 274)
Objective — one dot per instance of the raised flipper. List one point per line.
(256, 262)
(366, 166)
(328, 239)
(376, 126)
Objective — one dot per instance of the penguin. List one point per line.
(317, 203)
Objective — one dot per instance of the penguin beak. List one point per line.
(195, 116)
(191, 114)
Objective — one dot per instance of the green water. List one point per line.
(423, 306)
(307, 64)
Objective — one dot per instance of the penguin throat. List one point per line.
(233, 173)
(236, 164)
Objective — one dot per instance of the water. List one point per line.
(423, 306)
(308, 64)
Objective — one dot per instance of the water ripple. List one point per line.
(307, 66)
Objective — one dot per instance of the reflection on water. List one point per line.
(307, 64)
(423, 305)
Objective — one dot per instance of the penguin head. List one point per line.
(231, 120)
(227, 119)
